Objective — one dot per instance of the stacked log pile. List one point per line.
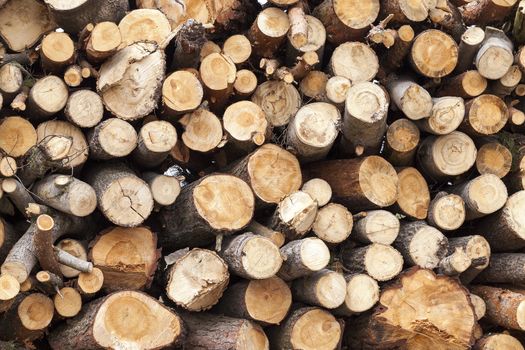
(291, 174)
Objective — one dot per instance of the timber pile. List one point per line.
(298, 174)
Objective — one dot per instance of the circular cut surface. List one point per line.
(244, 119)
(273, 22)
(203, 131)
(316, 35)
(69, 303)
(416, 102)
(494, 62)
(217, 71)
(383, 230)
(366, 101)
(224, 201)
(298, 210)
(488, 193)
(274, 173)
(402, 135)
(182, 91)
(513, 211)
(88, 108)
(84, 201)
(316, 329)
(416, 11)
(333, 223)
(331, 290)
(91, 282)
(316, 124)
(488, 114)
(268, 300)
(144, 25)
(383, 262)
(356, 14)
(454, 153)
(362, 293)
(50, 93)
(105, 37)
(165, 189)
(78, 152)
(319, 190)
(17, 136)
(337, 89)
(261, 257)
(245, 82)
(355, 61)
(424, 245)
(134, 319)
(450, 210)
(378, 180)
(36, 311)
(238, 47)
(118, 137)
(12, 78)
(474, 83)
(314, 254)
(434, 53)
(447, 114)
(414, 195)
(158, 136)
(502, 342)
(58, 47)
(9, 285)
(279, 101)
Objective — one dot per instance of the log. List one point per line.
(312, 86)
(324, 288)
(337, 90)
(268, 32)
(333, 223)
(469, 84)
(73, 76)
(504, 307)
(485, 12)
(251, 256)
(477, 249)
(494, 158)
(446, 116)
(319, 190)
(413, 194)
(28, 318)
(238, 48)
(46, 98)
(278, 238)
(395, 56)
(485, 115)
(217, 73)
(128, 317)
(505, 85)
(303, 257)
(405, 11)
(354, 61)
(446, 212)
(130, 82)
(188, 43)
(346, 20)
(482, 195)
(11, 81)
(271, 172)
(498, 341)
(9, 288)
(410, 312)
(75, 249)
(89, 283)
(245, 125)
(377, 226)
(402, 138)
(362, 293)
(126, 256)
(155, 140)
(313, 36)
(17, 193)
(307, 328)
(505, 230)
(360, 184)
(70, 261)
(68, 302)
(196, 279)
(57, 52)
(67, 194)
(503, 268)
(202, 130)
(103, 42)
(434, 54)
(379, 261)
(479, 305)
(212, 332)
(84, 109)
(164, 189)
(494, 57)
(17, 136)
(421, 245)
(279, 101)
(182, 92)
(48, 282)
(144, 25)
(413, 100)
(245, 83)
(442, 157)
(364, 121)
(8, 166)
(8, 237)
(447, 15)
(313, 130)
(294, 215)
(264, 301)
(122, 197)
(210, 210)
(22, 23)
(455, 263)
(19, 102)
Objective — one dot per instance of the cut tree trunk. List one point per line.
(127, 257)
(280, 101)
(469, 45)
(9, 289)
(498, 341)
(377, 226)
(74, 248)
(264, 301)
(312, 85)
(469, 84)
(413, 194)
(144, 25)
(303, 257)
(57, 52)
(494, 57)
(46, 98)
(434, 54)
(406, 11)
(446, 116)
(362, 293)
(379, 261)
(319, 190)
(477, 249)
(11, 81)
(402, 138)
(246, 126)
(294, 215)
(89, 283)
(84, 108)
(278, 238)
(126, 317)
(73, 76)
(238, 47)
(217, 73)
(17, 193)
(188, 43)
(182, 92)
(504, 307)
(165, 189)
(8, 167)
(324, 288)
(48, 282)
(245, 83)
(446, 212)
(413, 100)
(202, 130)
(268, 32)
(309, 37)
(68, 302)
(155, 140)
(362, 183)
(455, 263)
(103, 42)
(395, 56)
(333, 223)
(506, 268)
(337, 90)
(8, 237)
(17, 136)
(505, 85)
(485, 12)
(214, 205)
(448, 16)
(485, 115)
(196, 279)
(354, 61)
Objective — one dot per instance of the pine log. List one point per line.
(402, 138)
(312, 86)
(504, 307)
(84, 108)
(442, 157)
(11, 81)
(505, 230)
(68, 302)
(494, 57)
(313, 130)
(469, 84)
(333, 223)
(354, 61)
(165, 189)
(395, 56)
(89, 283)
(73, 76)
(337, 90)
(280, 101)
(188, 43)
(421, 245)
(505, 85)
(364, 121)
(155, 140)
(406, 11)
(455, 263)
(251, 256)
(362, 293)
(74, 248)
(57, 52)
(485, 12)
(127, 257)
(268, 32)
(413, 193)
(303, 257)
(17, 193)
(307, 328)
(498, 341)
(446, 116)
(19, 101)
(271, 172)
(182, 92)
(410, 313)
(434, 54)
(446, 212)
(313, 37)
(103, 42)
(28, 318)
(346, 20)
(8, 167)
(294, 215)
(506, 268)
(319, 190)
(9, 288)
(122, 197)
(245, 83)
(477, 249)
(246, 125)
(265, 301)
(48, 282)
(214, 205)
(324, 288)
(494, 158)
(22, 23)
(363, 183)
(17, 136)
(485, 115)
(196, 279)
(8, 237)
(47, 97)
(130, 82)
(377, 226)
(469, 45)
(202, 130)
(278, 238)
(238, 48)
(126, 317)
(413, 100)
(144, 25)
(381, 262)
(217, 72)
(213, 332)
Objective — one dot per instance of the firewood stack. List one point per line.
(296, 174)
